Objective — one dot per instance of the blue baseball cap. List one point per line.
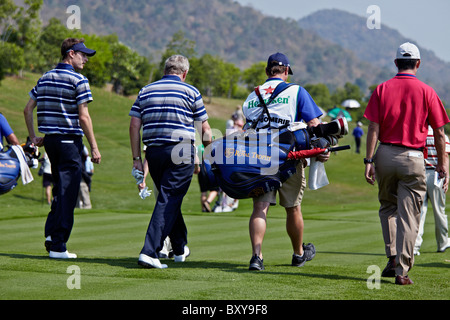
(82, 48)
(280, 59)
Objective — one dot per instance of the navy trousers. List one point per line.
(172, 180)
(64, 153)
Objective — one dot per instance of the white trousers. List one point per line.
(437, 198)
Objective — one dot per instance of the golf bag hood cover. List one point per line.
(251, 163)
(9, 170)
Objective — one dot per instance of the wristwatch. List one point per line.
(366, 161)
(136, 158)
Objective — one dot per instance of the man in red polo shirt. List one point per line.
(399, 111)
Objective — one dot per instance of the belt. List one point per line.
(400, 146)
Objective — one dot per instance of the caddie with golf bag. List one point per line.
(15, 159)
(283, 128)
(15, 162)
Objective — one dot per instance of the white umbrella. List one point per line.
(350, 103)
(323, 112)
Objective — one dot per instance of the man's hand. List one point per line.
(370, 173)
(96, 157)
(443, 174)
(323, 157)
(37, 141)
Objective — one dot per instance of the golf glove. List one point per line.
(144, 193)
(138, 175)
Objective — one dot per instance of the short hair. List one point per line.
(67, 44)
(406, 64)
(274, 68)
(176, 64)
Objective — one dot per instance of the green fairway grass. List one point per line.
(341, 220)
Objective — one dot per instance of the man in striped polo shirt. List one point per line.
(62, 96)
(436, 194)
(169, 111)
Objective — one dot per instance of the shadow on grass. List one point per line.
(353, 253)
(28, 198)
(433, 265)
(131, 263)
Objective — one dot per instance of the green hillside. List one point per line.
(341, 220)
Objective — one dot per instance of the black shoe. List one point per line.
(256, 263)
(298, 261)
(389, 270)
(309, 251)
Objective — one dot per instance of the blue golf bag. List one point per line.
(251, 163)
(9, 170)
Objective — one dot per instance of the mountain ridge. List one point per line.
(376, 46)
(238, 34)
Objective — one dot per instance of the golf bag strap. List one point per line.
(266, 110)
(279, 89)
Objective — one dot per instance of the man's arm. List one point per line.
(88, 129)
(135, 142)
(372, 139)
(442, 166)
(28, 114)
(206, 133)
(12, 139)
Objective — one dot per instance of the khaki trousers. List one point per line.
(400, 173)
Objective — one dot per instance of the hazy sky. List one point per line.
(426, 22)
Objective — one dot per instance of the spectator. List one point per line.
(437, 198)
(47, 180)
(358, 132)
(84, 198)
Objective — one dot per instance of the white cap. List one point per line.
(408, 51)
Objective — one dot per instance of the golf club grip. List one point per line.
(339, 148)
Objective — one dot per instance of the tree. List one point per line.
(255, 75)
(18, 27)
(350, 91)
(205, 74)
(11, 59)
(129, 71)
(24, 27)
(321, 94)
(97, 70)
(231, 77)
(50, 40)
(177, 45)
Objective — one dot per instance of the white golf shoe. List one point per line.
(182, 258)
(149, 262)
(62, 255)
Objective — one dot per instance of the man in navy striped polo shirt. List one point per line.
(62, 96)
(168, 111)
